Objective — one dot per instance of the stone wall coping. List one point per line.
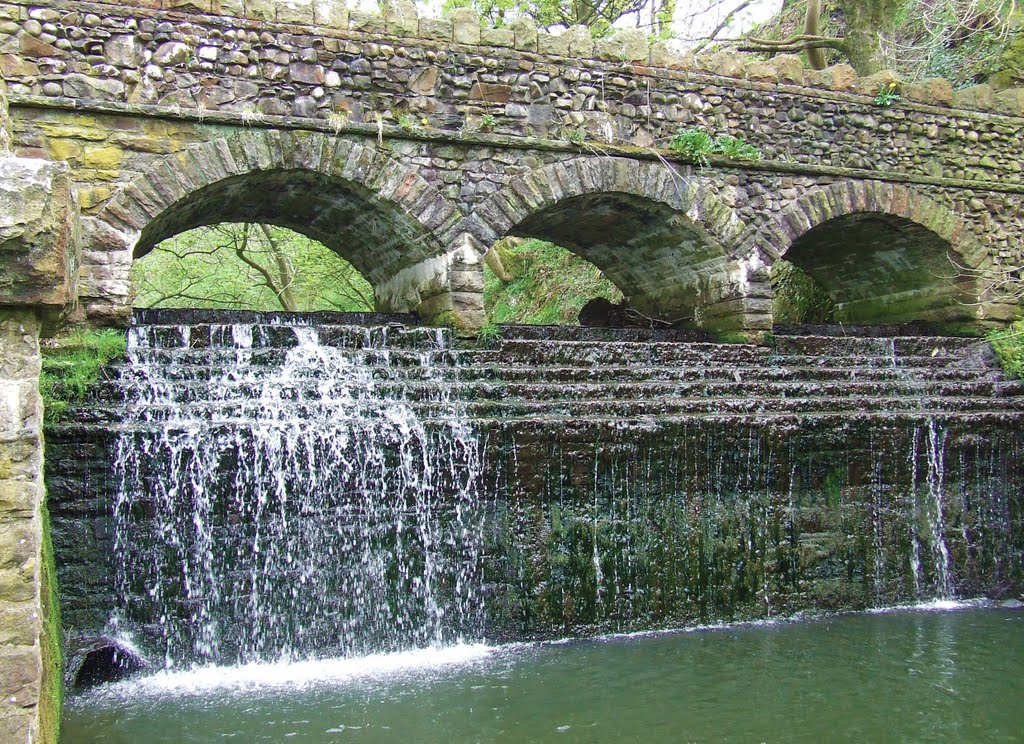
(657, 60)
(484, 139)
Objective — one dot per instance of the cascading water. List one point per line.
(287, 502)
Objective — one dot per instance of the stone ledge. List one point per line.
(471, 139)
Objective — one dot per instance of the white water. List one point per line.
(272, 506)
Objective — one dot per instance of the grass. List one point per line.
(72, 364)
(551, 285)
(1009, 347)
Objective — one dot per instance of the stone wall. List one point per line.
(39, 257)
(21, 491)
(448, 75)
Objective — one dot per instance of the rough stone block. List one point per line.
(331, 13)
(261, 10)
(663, 55)
(551, 44)
(933, 91)
(979, 97)
(439, 29)
(295, 11)
(465, 26)
(581, 43)
(39, 234)
(525, 31)
(1010, 101)
(631, 45)
(499, 37)
(722, 63)
(837, 77)
(5, 123)
(789, 68)
(762, 72)
(401, 17)
(369, 23)
(200, 6)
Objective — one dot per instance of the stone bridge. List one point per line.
(409, 145)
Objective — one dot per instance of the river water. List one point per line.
(943, 672)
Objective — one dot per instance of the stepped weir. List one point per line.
(252, 486)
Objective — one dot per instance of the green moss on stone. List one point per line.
(51, 688)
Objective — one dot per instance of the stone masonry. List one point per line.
(410, 144)
(38, 253)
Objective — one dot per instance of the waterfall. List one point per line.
(280, 497)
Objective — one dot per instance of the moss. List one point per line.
(51, 691)
(1009, 347)
(796, 297)
(72, 364)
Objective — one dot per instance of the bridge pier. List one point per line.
(39, 257)
(444, 290)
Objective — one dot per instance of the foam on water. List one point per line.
(296, 674)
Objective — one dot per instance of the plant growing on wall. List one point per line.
(887, 95)
(696, 146)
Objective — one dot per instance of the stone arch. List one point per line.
(660, 233)
(883, 251)
(358, 199)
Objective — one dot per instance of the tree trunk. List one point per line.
(868, 24)
(815, 57)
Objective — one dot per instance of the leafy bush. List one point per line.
(1009, 347)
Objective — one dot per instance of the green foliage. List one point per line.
(736, 148)
(887, 95)
(597, 15)
(488, 335)
(577, 136)
(796, 297)
(225, 266)
(963, 42)
(51, 687)
(1009, 347)
(696, 145)
(488, 122)
(551, 286)
(73, 364)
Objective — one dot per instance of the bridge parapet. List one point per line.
(311, 59)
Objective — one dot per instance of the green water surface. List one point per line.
(907, 676)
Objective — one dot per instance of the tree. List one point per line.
(869, 23)
(873, 28)
(597, 15)
(249, 266)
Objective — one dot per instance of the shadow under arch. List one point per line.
(361, 202)
(883, 252)
(661, 235)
